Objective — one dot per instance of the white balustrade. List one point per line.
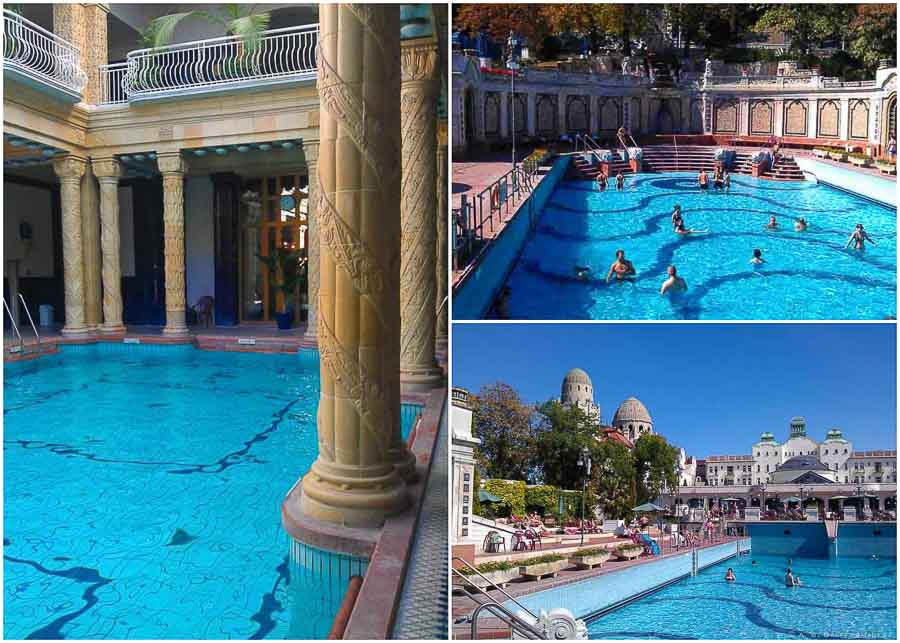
(229, 61)
(37, 53)
(112, 84)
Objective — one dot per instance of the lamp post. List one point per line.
(513, 45)
(584, 461)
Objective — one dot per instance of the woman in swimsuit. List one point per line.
(859, 238)
(601, 181)
(620, 181)
(621, 267)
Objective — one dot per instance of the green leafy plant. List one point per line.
(627, 546)
(287, 272)
(512, 492)
(537, 560)
(237, 20)
(495, 566)
(589, 551)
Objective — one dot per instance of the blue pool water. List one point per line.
(841, 598)
(807, 275)
(142, 495)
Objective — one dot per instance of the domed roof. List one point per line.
(632, 410)
(803, 462)
(577, 376)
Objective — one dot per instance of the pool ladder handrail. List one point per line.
(31, 321)
(15, 327)
(515, 623)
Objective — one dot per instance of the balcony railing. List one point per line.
(277, 56)
(37, 54)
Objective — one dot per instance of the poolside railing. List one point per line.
(481, 215)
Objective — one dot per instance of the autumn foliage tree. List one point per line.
(499, 19)
(502, 421)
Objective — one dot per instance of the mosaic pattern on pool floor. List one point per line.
(143, 488)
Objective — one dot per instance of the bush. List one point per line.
(626, 546)
(590, 551)
(542, 499)
(495, 566)
(537, 560)
(512, 492)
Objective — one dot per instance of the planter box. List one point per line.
(887, 168)
(860, 162)
(820, 153)
(500, 578)
(837, 156)
(589, 562)
(542, 570)
(628, 554)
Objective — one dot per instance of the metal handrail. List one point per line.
(492, 584)
(13, 322)
(40, 53)
(31, 320)
(219, 62)
(515, 623)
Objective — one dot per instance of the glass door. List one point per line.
(273, 223)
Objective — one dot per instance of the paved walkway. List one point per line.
(422, 612)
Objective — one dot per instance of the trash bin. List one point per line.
(46, 314)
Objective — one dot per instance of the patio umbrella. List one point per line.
(839, 498)
(791, 499)
(647, 507)
(487, 496)
(731, 499)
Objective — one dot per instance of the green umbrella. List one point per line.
(487, 496)
(647, 507)
(791, 499)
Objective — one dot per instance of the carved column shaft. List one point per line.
(357, 479)
(108, 172)
(441, 306)
(84, 24)
(90, 232)
(173, 169)
(418, 213)
(70, 169)
(312, 286)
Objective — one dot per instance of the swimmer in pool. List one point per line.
(676, 215)
(753, 562)
(673, 283)
(621, 267)
(582, 273)
(772, 224)
(601, 181)
(800, 225)
(789, 578)
(718, 181)
(680, 229)
(620, 181)
(727, 181)
(729, 575)
(859, 238)
(703, 180)
(757, 257)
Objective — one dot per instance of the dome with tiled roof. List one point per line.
(633, 419)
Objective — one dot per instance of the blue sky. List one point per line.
(710, 388)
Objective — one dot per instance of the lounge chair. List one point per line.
(650, 545)
(534, 538)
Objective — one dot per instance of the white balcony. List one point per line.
(278, 57)
(40, 58)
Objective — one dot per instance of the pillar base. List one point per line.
(404, 464)
(175, 331)
(420, 380)
(311, 337)
(352, 502)
(440, 345)
(77, 332)
(112, 329)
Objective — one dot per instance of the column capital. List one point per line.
(106, 169)
(418, 62)
(311, 154)
(70, 167)
(441, 139)
(171, 163)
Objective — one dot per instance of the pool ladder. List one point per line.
(21, 347)
(524, 624)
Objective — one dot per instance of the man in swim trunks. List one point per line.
(800, 225)
(859, 238)
(601, 181)
(676, 216)
(620, 181)
(718, 181)
(673, 283)
(789, 578)
(621, 267)
(772, 224)
(703, 180)
(680, 229)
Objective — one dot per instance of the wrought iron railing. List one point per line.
(40, 54)
(230, 61)
(112, 84)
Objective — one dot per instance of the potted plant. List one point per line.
(859, 160)
(589, 558)
(539, 567)
(886, 165)
(287, 271)
(499, 572)
(628, 551)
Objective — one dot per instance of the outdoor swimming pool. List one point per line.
(143, 487)
(842, 598)
(806, 275)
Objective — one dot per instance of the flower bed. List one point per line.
(628, 551)
(499, 573)
(589, 558)
(542, 566)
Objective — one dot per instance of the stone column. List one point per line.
(812, 118)
(418, 209)
(312, 286)
(778, 122)
(108, 172)
(70, 169)
(84, 25)
(844, 119)
(441, 306)
(532, 113)
(90, 234)
(504, 115)
(173, 169)
(358, 478)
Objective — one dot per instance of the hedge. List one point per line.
(512, 492)
(542, 499)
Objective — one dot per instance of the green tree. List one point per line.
(562, 431)
(655, 462)
(874, 33)
(808, 25)
(612, 478)
(503, 424)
